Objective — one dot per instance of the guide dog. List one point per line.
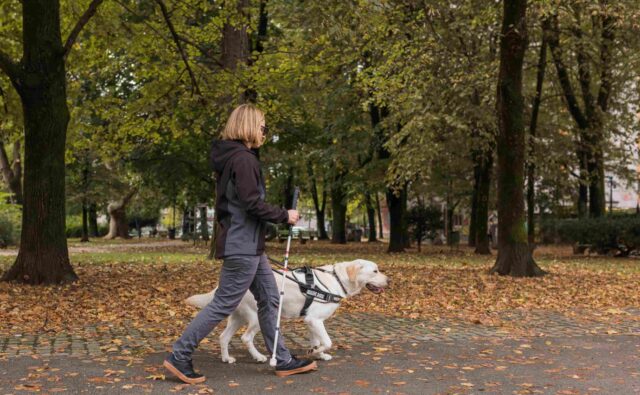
(345, 279)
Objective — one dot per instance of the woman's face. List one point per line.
(263, 134)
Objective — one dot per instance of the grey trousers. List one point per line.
(239, 274)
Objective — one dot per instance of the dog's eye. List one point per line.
(375, 271)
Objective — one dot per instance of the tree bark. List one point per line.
(533, 124)
(514, 257)
(93, 220)
(371, 216)
(394, 203)
(43, 257)
(118, 225)
(339, 209)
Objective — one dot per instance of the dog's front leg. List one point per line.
(319, 339)
(247, 339)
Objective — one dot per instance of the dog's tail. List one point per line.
(200, 300)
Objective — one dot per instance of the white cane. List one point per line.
(272, 362)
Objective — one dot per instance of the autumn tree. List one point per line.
(40, 80)
(514, 257)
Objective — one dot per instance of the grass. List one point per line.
(101, 251)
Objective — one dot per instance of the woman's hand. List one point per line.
(294, 216)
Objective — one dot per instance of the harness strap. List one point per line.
(309, 289)
(308, 278)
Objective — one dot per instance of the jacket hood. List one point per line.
(223, 150)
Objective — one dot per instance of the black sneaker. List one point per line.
(183, 370)
(295, 366)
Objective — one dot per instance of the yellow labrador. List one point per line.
(350, 277)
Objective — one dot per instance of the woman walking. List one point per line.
(241, 214)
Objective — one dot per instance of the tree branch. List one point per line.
(176, 39)
(608, 25)
(9, 66)
(84, 19)
(5, 167)
(551, 27)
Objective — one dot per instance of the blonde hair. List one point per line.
(244, 124)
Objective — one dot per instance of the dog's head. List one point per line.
(362, 273)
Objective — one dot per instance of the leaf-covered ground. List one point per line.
(144, 283)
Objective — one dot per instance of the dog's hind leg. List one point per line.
(247, 339)
(320, 337)
(233, 324)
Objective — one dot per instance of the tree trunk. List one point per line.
(380, 225)
(394, 203)
(533, 124)
(371, 214)
(483, 246)
(204, 224)
(596, 183)
(287, 192)
(186, 222)
(473, 231)
(93, 220)
(85, 221)
(12, 173)
(118, 225)
(451, 209)
(583, 188)
(339, 208)
(406, 237)
(319, 206)
(43, 257)
(589, 119)
(514, 257)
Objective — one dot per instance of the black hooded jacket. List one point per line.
(241, 209)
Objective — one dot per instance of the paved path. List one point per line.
(373, 354)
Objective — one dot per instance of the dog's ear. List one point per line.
(352, 272)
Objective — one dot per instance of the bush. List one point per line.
(10, 222)
(424, 221)
(602, 234)
(74, 227)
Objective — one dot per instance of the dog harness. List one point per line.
(309, 288)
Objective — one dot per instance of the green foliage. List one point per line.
(74, 226)
(602, 234)
(10, 221)
(424, 221)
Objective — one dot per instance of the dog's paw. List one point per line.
(260, 358)
(229, 360)
(325, 356)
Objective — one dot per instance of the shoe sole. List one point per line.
(283, 373)
(181, 376)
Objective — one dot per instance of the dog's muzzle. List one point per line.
(375, 289)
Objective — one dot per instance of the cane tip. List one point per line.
(272, 362)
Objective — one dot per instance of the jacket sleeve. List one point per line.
(246, 174)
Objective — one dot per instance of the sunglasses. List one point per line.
(264, 130)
